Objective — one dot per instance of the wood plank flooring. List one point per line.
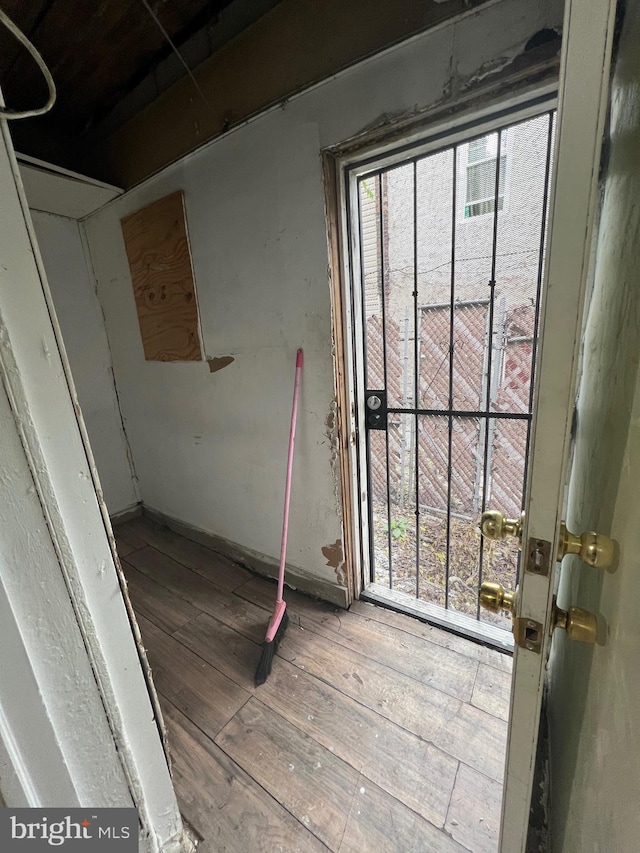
(374, 732)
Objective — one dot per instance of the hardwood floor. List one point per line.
(374, 732)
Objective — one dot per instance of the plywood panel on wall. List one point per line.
(157, 247)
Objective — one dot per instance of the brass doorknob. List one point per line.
(496, 526)
(494, 597)
(579, 624)
(592, 548)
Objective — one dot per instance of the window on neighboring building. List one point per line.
(481, 176)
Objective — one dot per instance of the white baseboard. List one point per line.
(295, 577)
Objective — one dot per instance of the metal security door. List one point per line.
(450, 255)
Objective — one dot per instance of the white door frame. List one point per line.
(77, 724)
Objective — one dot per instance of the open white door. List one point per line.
(583, 102)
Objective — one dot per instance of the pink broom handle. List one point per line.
(287, 489)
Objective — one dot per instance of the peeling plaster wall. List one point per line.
(210, 445)
(80, 317)
(594, 696)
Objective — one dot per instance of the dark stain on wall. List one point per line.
(219, 362)
(334, 554)
(330, 422)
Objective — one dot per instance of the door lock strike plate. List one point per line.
(527, 634)
(538, 559)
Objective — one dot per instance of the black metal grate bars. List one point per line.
(451, 257)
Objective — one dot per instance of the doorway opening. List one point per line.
(446, 255)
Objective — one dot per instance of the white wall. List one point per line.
(210, 448)
(82, 323)
(594, 698)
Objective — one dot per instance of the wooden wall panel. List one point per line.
(157, 247)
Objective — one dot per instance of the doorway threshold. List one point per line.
(435, 614)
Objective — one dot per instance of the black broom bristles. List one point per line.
(269, 651)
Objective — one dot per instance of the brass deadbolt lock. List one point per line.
(527, 633)
(494, 597)
(496, 526)
(579, 624)
(593, 548)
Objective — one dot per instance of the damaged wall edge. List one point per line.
(338, 423)
(536, 70)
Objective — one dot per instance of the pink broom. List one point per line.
(279, 618)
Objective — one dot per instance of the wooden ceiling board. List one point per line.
(26, 16)
(272, 59)
(96, 51)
